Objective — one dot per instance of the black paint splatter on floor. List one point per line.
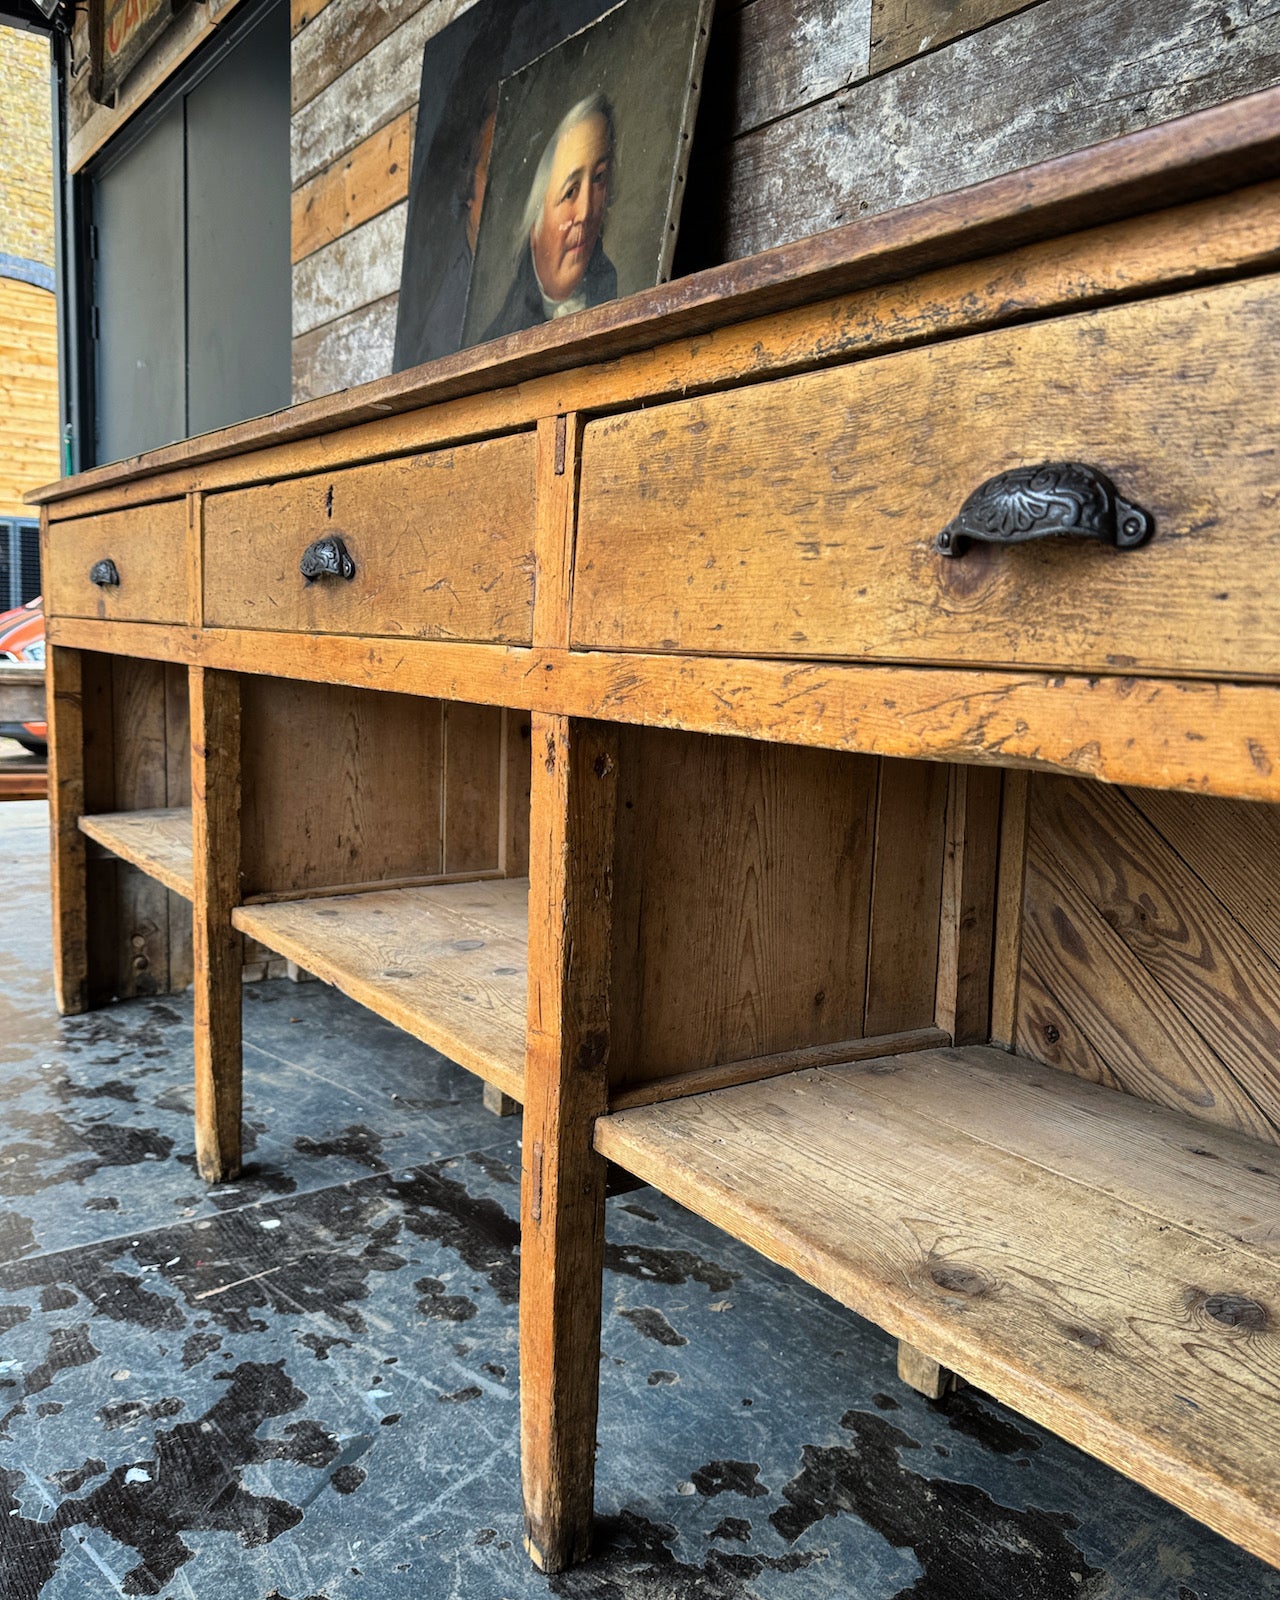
(304, 1385)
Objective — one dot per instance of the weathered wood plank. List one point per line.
(372, 179)
(158, 842)
(906, 895)
(350, 350)
(1131, 941)
(787, 519)
(741, 894)
(781, 54)
(356, 269)
(1081, 1300)
(66, 843)
(575, 776)
(1205, 738)
(1221, 149)
(902, 28)
(341, 34)
(1067, 74)
(376, 89)
(969, 889)
(218, 949)
(447, 963)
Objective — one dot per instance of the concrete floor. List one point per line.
(304, 1384)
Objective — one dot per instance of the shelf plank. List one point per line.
(159, 842)
(447, 963)
(1108, 1267)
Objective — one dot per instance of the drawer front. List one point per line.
(799, 517)
(146, 547)
(441, 544)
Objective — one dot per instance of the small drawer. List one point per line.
(432, 546)
(800, 518)
(122, 566)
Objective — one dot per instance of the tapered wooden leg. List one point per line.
(566, 1089)
(215, 841)
(65, 714)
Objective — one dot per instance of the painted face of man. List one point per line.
(565, 234)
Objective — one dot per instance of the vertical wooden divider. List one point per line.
(559, 452)
(64, 711)
(1010, 889)
(215, 841)
(575, 785)
(963, 1005)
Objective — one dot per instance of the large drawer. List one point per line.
(441, 544)
(146, 547)
(800, 517)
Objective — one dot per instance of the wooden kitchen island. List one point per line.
(810, 734)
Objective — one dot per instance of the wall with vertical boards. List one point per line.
(814, 112)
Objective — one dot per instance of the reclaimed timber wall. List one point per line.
(1151, 947)
(815, 112)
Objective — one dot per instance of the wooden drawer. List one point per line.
(146, 545)
(799, 517)
(442, 545)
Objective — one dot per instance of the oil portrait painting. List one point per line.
(461, 68)
(588, 163)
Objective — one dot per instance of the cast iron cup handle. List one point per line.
(1054, 499)
(105, 574)
(326, 558)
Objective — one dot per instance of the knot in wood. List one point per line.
(1237, 1311)
(957, 1279)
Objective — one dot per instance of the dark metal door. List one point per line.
(191, 285)
(238, 274)
(140, 295)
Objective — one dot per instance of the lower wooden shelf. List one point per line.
(159, 842)
(448, 963)
(1109, 1268)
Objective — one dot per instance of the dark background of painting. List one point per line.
(642, 55)
(459, 65)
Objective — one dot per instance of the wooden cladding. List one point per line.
(799, 518)
(147, 546)
(747, 873)
(1150, 954)
(442, 545)
(348, 787)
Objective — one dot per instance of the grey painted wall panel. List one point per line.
(238, 231)
(140, 294)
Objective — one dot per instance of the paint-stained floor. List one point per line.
(304, 1384)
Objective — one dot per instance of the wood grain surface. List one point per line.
(799, 518)
(1223, 148)
(442, 545)
(1206, 738)
(158, 842)
(1138, 973)
(575, 796)
(742, 885)
(447, 964)
(218, 950)
(1056, 1274)
(148, 546)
